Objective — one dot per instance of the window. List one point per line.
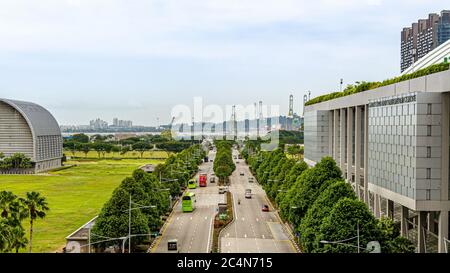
(428, 173)
(429, 152)
(428, 130)
(429, 109)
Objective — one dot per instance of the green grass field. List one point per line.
(75, 196)
(131, 155)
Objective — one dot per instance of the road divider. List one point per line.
(220, 225)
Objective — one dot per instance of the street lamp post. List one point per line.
(129, 222)
(376, 249)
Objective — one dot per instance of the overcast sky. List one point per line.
(136, 59)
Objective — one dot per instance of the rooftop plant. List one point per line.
(364, 86)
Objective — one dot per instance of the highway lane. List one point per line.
(253, 231)
(193, 230)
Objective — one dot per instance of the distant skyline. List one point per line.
(136, 60)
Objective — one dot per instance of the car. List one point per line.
(237, 162)
(212, 179)
(242, 173)
(222, 190)
(248, 193)
(265, 208)
(251, 180)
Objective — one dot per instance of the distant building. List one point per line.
(424, 36)
(98, 124)
(30, 129)
(122, 123)
(149, 168)
(78, 241)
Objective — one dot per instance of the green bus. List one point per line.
(192, 184)
(188, 202)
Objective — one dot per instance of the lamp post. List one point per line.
(375, 244)
(129, 222)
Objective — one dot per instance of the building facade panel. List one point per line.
(29, 129)
(317, 135)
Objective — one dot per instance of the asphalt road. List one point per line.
(253, 231)
(193, 230)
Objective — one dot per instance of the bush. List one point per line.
(364, 86)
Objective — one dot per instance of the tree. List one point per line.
(308, 187)
(115, 149)
(113, 220)
(16, 161)
(99, 147)
(80, 138)
(125, 149)
(8, 202)
(37, 207)
(310, 224)
(167, 134)
(392, 242)
(85, 148)
(18, 239)
(294, 150)
(5, 235)
(141, 147)
(342, 223)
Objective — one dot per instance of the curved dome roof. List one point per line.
(41, 121)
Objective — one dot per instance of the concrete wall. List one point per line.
(316, 135)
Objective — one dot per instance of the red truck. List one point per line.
(202, 180)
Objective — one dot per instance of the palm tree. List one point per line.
(18, 239)
(8, 202)
(5, 241)
(36, 206)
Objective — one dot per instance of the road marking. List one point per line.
(264, 237)
(245, 235)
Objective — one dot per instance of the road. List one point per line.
(193, 230)
(253, 231)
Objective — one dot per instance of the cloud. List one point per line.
(151, 28)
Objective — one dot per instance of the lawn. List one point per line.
(75, 196)
(129, 155)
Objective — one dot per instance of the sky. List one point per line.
(138, 60)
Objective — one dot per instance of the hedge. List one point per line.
(364, 86)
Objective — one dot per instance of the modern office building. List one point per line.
(392, 145)
(30, 129)
(423, 37)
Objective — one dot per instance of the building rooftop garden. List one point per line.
(365, 86)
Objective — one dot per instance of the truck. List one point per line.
(202, 178)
